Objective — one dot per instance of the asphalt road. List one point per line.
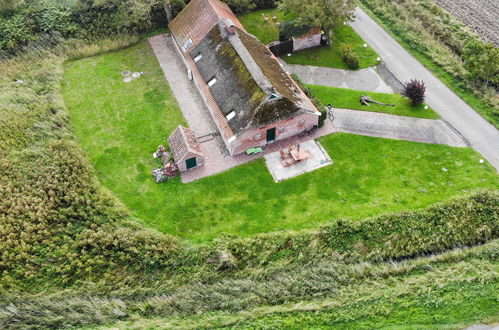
(479, 133)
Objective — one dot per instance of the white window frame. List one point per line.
(230, 115)
(187, 44)
(212, 82)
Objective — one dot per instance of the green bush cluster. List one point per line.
(466, 61)
(44, 23)
(356, 287)
(349, 56)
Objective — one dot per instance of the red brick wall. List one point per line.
(292, 126)
(182, 166)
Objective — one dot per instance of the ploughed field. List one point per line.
(481, 15)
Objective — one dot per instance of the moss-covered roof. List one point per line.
(251, 87)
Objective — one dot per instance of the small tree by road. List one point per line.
(326, 14)
(415, 91)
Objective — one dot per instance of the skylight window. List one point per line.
(212, 82)
(198, 57)
(187, 45)
(231, 115)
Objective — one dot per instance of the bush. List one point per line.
(415, 91)
(482, 61)
(349, 57)
(290, 29)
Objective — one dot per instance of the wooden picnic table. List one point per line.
(298, 153)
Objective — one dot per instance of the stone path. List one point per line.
(364, 79)
(480, 134)
(395, 127)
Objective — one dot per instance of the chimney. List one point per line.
(229, 25)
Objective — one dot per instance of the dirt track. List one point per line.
(480, 15)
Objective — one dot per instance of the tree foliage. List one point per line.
(415, 91)
(327, 14)
(482, 61)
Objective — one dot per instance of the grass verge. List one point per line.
(320, 56)
(407, 23)
(349, 99)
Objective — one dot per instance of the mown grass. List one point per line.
(437, 46)
(119, 125)
(265, 31)
(320, 56)
(349, 99)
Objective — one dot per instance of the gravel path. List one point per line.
(482, 16)
(364, 79)
(479, 133)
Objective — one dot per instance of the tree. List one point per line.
(415, 91)
(482, 61)
(326, 14)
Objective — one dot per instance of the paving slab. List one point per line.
(318, 157)
(365, 79)
(396, 127)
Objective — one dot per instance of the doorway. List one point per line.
(271, 134)
(191, 162)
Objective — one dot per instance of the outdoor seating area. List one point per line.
(293, 154)
(297, 159)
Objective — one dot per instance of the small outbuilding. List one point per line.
(310, 39)
(185, 149)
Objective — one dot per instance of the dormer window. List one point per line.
(187, 45)
(212, 81)
(198, 57)
(230, 115)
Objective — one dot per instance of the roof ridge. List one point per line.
(254, 70)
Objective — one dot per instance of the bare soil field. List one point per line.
(480, 15)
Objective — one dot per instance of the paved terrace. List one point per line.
(364, 80)
(217, 159)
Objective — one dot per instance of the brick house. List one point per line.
(310, 39)
(185, 149)
(251, 99)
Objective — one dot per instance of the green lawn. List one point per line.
(120, 124)
(265, 31)
(320, 56)
(331, 57)
(349, 99)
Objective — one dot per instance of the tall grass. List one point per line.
(423, 280)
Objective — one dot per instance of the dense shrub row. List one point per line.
(282, 284)
(465, 221)
(57, 225)
(429, 30)
(45, 22)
